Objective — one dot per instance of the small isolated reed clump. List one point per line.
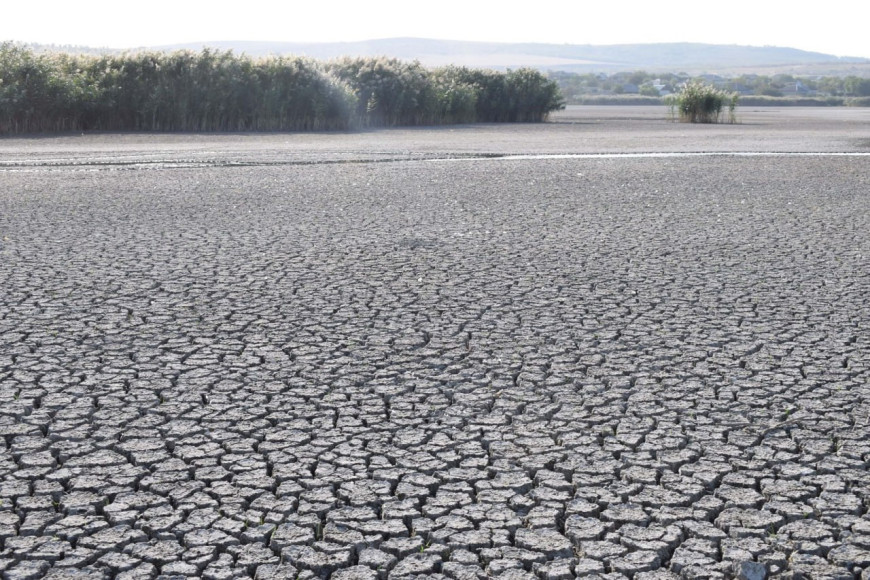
(699, 102)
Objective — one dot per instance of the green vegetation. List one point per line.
(625, 100)
(641, 87)
(219, 91)
(764, 101)
(698, 102)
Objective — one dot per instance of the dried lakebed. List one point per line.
(111, 164)
(635, 367)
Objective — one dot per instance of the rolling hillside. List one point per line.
(687, 57)
(672, 57)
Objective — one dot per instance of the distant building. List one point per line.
(797, 89)
(661, 87)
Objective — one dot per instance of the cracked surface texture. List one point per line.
(614, 368)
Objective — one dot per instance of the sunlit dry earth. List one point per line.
(575, 130)
(397, 353)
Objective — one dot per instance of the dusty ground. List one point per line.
(383, 354)
(575, 130)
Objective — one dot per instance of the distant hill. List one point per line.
(672, 57)
(689, 57)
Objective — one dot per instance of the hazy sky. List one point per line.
(835, 27)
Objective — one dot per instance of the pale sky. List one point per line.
(836, 27)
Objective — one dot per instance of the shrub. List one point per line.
(532, 95)
(698, 102)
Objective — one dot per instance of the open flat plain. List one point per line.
(501, 351)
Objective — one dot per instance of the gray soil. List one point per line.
(394, 354)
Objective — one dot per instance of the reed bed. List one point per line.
(219, 91)
(699, 102)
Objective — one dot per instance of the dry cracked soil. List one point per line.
(405, 353)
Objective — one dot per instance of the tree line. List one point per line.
(579, 87)
(216, 90)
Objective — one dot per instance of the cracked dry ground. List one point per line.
(629, 368)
